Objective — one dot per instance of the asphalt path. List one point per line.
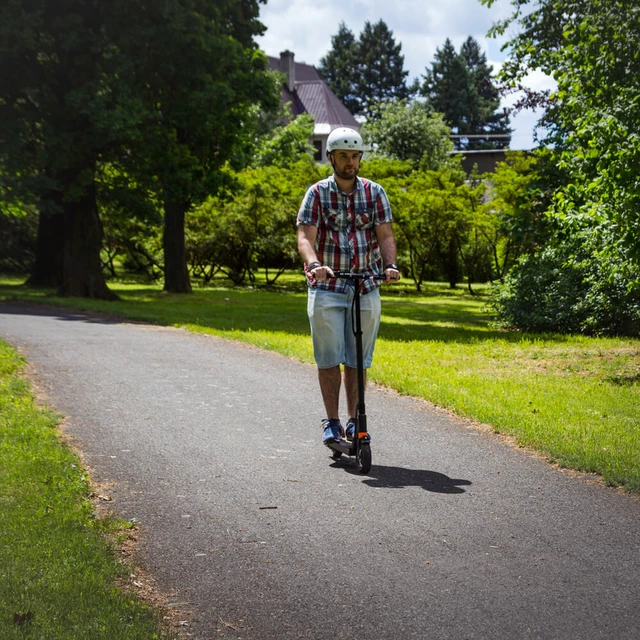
(215, 449)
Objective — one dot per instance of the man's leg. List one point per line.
(351, 388)
(326, 310)
(330, 388)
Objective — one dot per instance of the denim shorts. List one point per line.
(332, 330)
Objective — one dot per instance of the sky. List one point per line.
(421, 26)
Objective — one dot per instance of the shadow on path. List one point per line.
(381, 477)
(42, 309)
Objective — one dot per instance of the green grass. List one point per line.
(572, 398)
(58, 572)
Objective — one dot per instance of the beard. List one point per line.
(344, 175)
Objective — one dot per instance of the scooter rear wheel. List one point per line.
(363, 458)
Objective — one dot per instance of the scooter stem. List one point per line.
(361, 413)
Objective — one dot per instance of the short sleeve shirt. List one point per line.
(346, 239)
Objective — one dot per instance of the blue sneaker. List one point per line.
(350, 429)
(333, 430)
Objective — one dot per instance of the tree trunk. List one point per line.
(176, 274)
(47, 268)
(81, 269)
(450, 261)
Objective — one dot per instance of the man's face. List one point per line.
(346, 163)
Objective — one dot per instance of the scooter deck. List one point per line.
(346, 447)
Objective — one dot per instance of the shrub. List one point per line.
(570, 287)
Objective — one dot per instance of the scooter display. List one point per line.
(360, 446)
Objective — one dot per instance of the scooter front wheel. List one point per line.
(363, 457)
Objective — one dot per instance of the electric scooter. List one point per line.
(360, 446)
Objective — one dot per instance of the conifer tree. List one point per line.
(492, 119)
(366, 71)
(339, 67)
(381, 76)
(460, 86)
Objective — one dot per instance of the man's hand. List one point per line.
(392, 274)
(322, 273)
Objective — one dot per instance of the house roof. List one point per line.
(312, 95)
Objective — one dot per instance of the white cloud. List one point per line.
(306, 26)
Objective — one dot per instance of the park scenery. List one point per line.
(150, 171)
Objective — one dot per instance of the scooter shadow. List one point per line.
(382, 477)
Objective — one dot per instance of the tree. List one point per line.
(381, 76)
(198, 111)
(250, 226)
(447, 87)
(132, 225)
(593, 51)
(162, 89)
(56, 118)
(460, 86)
(285, 144)
(18, 225)
(365, 72)
(435, 214)
(490, 119)
(515, 212)
(409, 131)
(339, 68)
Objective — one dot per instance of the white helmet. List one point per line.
(344, 138)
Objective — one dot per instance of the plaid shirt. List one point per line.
(346, 239)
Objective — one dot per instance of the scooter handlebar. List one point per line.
(359, 276)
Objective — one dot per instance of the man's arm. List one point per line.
(307, 247)
(387, 243)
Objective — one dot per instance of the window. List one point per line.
(317, 155)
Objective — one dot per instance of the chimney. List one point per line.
(288, 67)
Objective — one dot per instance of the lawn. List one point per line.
(58, 572)
(575, 399)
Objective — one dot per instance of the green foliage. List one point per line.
(593, 51)
(460, 86)
(516, 209)
(565, 288)
(57, 116)
(409, 131)
(365, 72)
(196, 114)
(380, 169)
(166, 91)
(17, 238)
(488, 117)
(437, 214)
(132, 225)
(381, 76)
(285, 144)
(252, 225)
